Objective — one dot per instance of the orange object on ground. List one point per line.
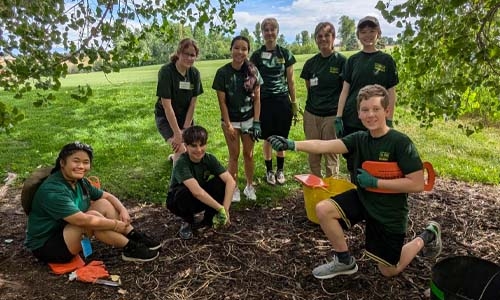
(59, 268)
(317, 189)
(390, 170)
(94, 180)
(92, 271)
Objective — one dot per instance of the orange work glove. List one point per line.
(91, 272)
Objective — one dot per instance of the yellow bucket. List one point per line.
(313, 195)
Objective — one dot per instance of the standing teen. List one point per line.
(277, 95)
(178, 86)
(238, 90)
(369, 66)
(324, 84)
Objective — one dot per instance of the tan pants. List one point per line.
(321, 128)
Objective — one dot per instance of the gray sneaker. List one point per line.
(280, 177)
(270, 178)
(335, 268)
(434, 248)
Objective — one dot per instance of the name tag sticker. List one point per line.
(314, 81)
(185, 85)
(266, 55)
(86, 246)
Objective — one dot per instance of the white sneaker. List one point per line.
(249, 191)
(236, 195)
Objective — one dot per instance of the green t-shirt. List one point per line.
(323, 74)
(185, 169)
(239, 102)
(55, 200)
(388, 209)
(180, 89)
(363, 69)
(272, 66)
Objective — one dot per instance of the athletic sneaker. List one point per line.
(249, 191)
(236, 195)
(186, 231)
(434, 248)
(140, 237)
(138, 252)
(280, 177)
(335, 268)
(270, 177)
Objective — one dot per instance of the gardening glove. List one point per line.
(255, 131)
(91, 272)
(389, 123)
(295, 110)
(279, 143)
(366, 180)
(339, 127)
(220, 218)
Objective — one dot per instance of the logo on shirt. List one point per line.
(378, 68)
(334, 70)
(383, 156)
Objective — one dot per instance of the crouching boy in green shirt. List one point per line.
(199, 183)
(386, 214)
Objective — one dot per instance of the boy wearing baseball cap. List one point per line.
(368, 66)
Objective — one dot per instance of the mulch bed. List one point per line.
(267, 253)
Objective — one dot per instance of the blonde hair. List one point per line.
(270, 21)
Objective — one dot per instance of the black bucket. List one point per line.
(465, 278)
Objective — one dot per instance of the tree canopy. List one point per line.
(448, 58)
(39, 38)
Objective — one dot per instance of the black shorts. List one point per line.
(54, 250)
(164, 127)
(380, 245)
(182, 203)
(275, 116)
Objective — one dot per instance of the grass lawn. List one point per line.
(131, 157)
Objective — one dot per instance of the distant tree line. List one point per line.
(156, 49)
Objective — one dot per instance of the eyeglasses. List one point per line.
(189, 55)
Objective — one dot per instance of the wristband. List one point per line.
(116, 225)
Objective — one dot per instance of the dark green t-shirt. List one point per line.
(272, 66)
(323, 74)
(239, 102)
(55, 200)
(388, 209)
(185, 169)
(180, 89)
(363, 69)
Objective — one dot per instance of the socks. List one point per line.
(428, 236)
(344, 257)
(269, 165)
(280, 161)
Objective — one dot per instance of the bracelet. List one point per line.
(116, 225)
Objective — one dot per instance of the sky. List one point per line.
(298, 15)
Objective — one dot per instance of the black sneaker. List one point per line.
(186, 231)
(143, 238)
(138, 252)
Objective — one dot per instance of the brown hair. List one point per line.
(323, 25)
(374, 90)
(184, 44)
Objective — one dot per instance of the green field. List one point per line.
(131, 157)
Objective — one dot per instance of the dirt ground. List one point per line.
(267, 253)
